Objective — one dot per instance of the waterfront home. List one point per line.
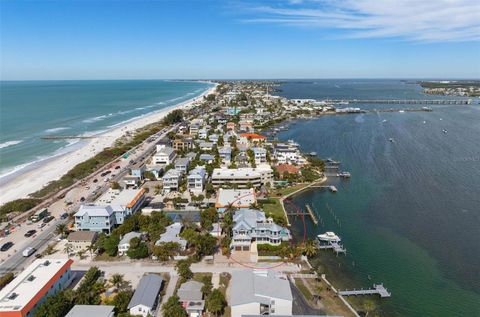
(82, 240)
(146, 298)
(287, 168)
(235, 198)
(288, 153)
(260, 155)
(191, 297)
(172, 234)
(225, 154)
(181, 164)
(171, 180)
(196, 180)
(95, 218)
(243, 177)
(124, 243)
(251, 225)
(92, 311)
(251, 138)
(260, 292)
(123, 202)
(164, 156)
(31, 287)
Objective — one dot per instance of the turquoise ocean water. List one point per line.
(32, 109)
(410, 215)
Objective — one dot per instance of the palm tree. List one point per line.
(68, 249)
(61, 229)
(91, 249)
(309, 249)
(117, 281)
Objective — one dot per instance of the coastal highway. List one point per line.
(13, 260)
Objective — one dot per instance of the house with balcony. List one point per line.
(171, 180)
(260, 155)
(260, 292)
(196, 180)
(95, 218)
(181, 164)
(164, 156)
(251, 225)
(225, 154)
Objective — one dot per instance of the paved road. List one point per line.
(168, 293)
(13, 260)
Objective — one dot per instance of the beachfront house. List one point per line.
(260, 292)
(82, 240)
(164, 156)
(123, 202)
(95, 218)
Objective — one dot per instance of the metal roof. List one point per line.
(91, 311)
(147, 291)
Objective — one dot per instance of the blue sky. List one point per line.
(60, 39)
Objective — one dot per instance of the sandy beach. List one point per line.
(30, 181)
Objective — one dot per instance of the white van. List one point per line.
(28, 251)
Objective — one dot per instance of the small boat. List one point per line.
(444, 131)
(384, 120)
(329, 236)
(332, 162)
(391, 140)
(424, 122)
(344, 174)
(312, 153)
(402, 111)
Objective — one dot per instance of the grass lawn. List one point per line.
(303, 289)
(290, 189)
(274, 209)
(200, 276)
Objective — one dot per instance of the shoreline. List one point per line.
(23, 182)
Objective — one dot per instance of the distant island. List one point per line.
(467, 88)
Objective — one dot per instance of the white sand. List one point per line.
(31, 181)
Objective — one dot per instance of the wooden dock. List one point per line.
(335, 246)
(377, 289)
(403, 101)
(312, 214)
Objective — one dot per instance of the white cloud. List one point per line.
(415, 20)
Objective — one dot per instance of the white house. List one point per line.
(225, 154)
(260, 155)
(264, 292)
(171, 179)
(196, 180)
(145, 300)
(172, 234)
(164, 156)
(124, 243)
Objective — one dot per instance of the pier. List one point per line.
(377, 289)
(335, 246)
(405, 101)
(312, 214)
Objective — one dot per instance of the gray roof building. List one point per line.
(190, 291)
(91, 311)
(147, 291)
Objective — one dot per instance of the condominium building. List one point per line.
(243, 177)
(123, 202)
(41, 279)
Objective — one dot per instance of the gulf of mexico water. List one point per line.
(30, 110)
(410, 215)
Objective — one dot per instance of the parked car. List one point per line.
(64, 216)
(41, 225)
(95, 180)
(82, 199)
(28, 251)
(48, 219)
(30, 233)
(6, 246)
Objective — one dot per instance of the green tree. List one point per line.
(207, 285)
(166, 250)
(111, 244)
(117, 280)
(309, 248)
(215, 302)
(115, 185)
(183, 269)
(138, 249)
(173, 308)
(121, 301)
(369, 306)
(208, 217)
(57, 305)
(68, 249)
(61, 230)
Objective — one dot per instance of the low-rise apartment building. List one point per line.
(243, 177)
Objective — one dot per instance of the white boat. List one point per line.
(384, 120)
(329, 236)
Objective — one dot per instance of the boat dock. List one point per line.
(405, 101)
(377, 289)
(312, 214)
(335, 246)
